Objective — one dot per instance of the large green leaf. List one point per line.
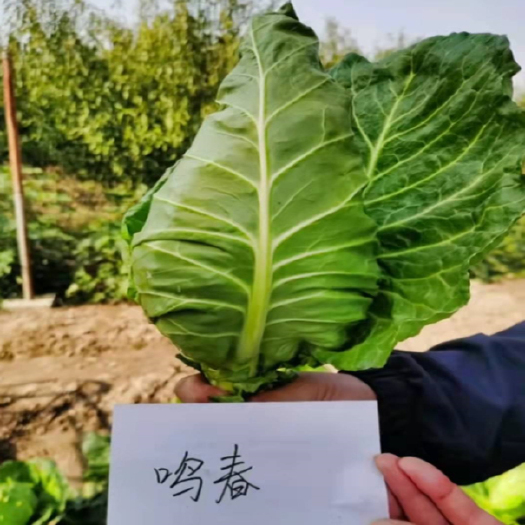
(96, 450)
(502, 496)
(443, 144)
(17, 503)
(51, 488)
(38, 488)
(256, 250)
(507, 493)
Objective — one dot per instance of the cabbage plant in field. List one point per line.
(33, 492)
(322, 217)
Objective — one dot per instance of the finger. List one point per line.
(194, 389)
(319, 386)
(287, 393)
(416, 506)
(304, 388)
(454, 504)
(394, 508)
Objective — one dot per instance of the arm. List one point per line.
(461, 406)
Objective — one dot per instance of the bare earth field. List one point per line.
(62, 370)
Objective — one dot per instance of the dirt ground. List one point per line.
(62, 370)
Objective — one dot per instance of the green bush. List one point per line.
(36, 493)
(100, 274)
(7, 258)
(90, 507)
(74, 236)
(111, 102)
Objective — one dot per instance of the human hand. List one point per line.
(420, 493)
(309, 386)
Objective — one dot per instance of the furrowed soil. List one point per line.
(62, 370)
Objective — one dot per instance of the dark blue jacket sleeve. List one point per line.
(460, 406)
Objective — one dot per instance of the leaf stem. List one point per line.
(255, 322)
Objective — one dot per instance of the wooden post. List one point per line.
(16, 174)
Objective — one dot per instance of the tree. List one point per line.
(108, 101)
(336, 43)
(400, 41)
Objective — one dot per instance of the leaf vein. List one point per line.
(238, 282)
(208, 214)
(209, 162)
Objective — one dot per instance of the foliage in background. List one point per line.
(74, 237)
(36, 493)
(95, 449)
(32, 492)
(112, 102)
(100, 274)
(337, 42)
(397, 42)
(502, 496)
(90, 507)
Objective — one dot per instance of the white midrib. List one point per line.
(258, 303)
(380, 144)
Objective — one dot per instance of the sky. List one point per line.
(374, 22)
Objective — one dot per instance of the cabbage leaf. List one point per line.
(255, 250)
(443, 144)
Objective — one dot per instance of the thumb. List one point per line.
(195, 389)
(309, 386)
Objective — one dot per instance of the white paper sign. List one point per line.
(246, 464)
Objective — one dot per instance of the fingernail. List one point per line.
(384, 459)
(409, 464)
(426, 474)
